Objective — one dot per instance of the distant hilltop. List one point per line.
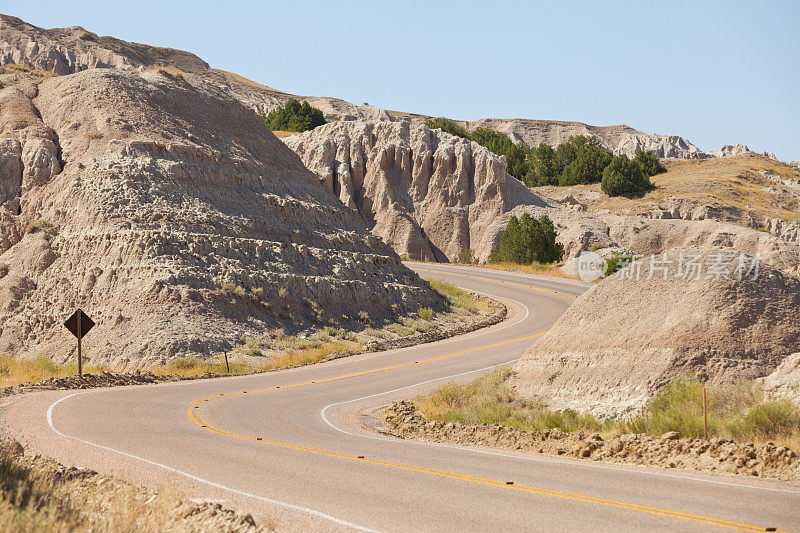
(64, 51)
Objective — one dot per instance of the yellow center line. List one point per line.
(498, 281)
(199, 420)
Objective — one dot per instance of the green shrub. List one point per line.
(617, 261)
(587, 161)
(404, 257)
(447, 126)
(623, 176)
(650, 164)
(233, 289)
(425, 313)
(295, 117)
(598, 246)
(767, 420)
(543, 166)
(527, 240)
(516, 154)
(88, 36)
(466, 257)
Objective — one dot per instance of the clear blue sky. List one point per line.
(714, 72)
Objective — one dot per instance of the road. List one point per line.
(303, 440)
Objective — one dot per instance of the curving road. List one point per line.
(303, 441)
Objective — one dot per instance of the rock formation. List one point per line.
(171, 215)
(624, 339)
(426, 193)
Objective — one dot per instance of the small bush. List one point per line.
(447, 126)
(617, 261)
(295, 117)
(404, 257)
(528, 240)
(88, 36)
(425, 313)
(233, 289)
(363, 317)
(598, 246)
(3, 270)
(257, 293)
(282, 292)
(466, 257)
(94, 134)
(399, 329)
(649, 163)
(39, 225)
(762, 229)
(623, 176)
(766, 421)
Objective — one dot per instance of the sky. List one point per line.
(715, 73)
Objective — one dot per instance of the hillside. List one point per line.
(754, 191)
(69, 50)
(174, 218)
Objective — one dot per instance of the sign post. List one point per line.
(79, 325)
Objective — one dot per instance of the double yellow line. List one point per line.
(199, 420)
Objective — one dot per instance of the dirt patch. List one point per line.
(667, 451)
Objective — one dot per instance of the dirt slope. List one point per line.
(624, 339)
(153, 202)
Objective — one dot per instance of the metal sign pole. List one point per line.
(80, 360)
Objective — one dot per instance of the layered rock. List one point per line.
(426, 193)
(174, 218)
(633, 333)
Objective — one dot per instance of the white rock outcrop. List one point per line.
(426, 193)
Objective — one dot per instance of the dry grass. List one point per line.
(282, 133)
(535, 268)
(735, 411)
(15, 371)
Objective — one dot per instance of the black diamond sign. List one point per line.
(79, 324)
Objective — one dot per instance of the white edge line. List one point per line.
(313, 512)
(324, 410)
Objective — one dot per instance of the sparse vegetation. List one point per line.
(3, 270)
(528, 240)
(88, 36)
(295, 117)
(39, 225)
(598, 246)
(737, 411)
(94, 134)
(232, 289)
(425, 313)
(489, 400)
(404, 257)
(466, 257)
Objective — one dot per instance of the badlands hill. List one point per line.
(640, 331)
(426, 193)
(70, 50)
(153, 201)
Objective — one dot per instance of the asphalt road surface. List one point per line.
(305, 440)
